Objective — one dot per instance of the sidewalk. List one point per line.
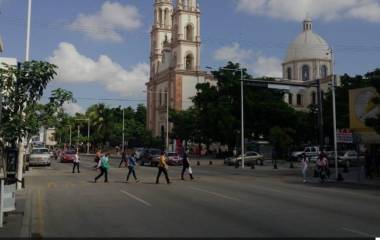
(16, 224)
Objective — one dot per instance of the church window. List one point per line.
(166, 18)
(189, 33)
(290, 100)
(313, 98)
(160, 99)
(299, 99)
(189, 62)
(166, 97)
(323, 71)
(160, 16)
(289, 72)
(305, 73)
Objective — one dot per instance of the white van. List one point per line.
(312, 152)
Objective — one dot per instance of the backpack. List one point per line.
(105, 163)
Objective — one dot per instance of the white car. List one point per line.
(39, 157)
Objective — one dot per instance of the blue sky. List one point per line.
(111, 62)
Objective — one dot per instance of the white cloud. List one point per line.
(105, 24)
(72, 108)
(256, 63)
(76, 68)
(232, 53)
(327, 10)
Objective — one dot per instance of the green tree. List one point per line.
(23, 86)
(282, 140)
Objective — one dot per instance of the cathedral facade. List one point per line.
(175, 61)
(308, 58)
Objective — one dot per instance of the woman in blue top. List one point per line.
(103, 165)
(131, 167)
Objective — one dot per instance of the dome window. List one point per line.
(305, 73)
(289, 72)
(290, 99)
(323, 71)
(314, 98)
(299, 99)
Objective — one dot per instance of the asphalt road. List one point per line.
(220, 202)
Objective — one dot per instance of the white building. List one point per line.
(308, 58)
(174, 60)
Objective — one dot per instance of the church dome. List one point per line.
(308, 45)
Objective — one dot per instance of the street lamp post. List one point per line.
(123, 141)
(70, 135)
(334, 115)
(242, 110)
(78, 137)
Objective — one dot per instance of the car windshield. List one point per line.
(299, 149)
(40, 151)
(172, 154)
(155, 152)
(341, 153)
(70, 152)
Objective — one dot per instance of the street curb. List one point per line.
(27, 219)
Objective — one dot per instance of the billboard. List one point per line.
(362, 107)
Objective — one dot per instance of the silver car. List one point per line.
(40, 157)
(249, 159)
(349, 158)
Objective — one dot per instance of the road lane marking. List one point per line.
(216, 194)
(358, 232)
(136, 198)
(280, 192)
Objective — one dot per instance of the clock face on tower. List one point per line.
(364, 107)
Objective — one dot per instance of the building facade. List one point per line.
(308, 58)
(175, 61)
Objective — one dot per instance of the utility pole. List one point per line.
(123, 143)
(242, 118)
(320, 112)
(78, 138)
(70, 136)
(88, 137)
(167, 121)
(22, 141)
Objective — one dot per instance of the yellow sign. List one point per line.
(362, 107)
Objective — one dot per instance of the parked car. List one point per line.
(174, 159)
(249, 159)
(296, 153)
(312, 152)
(68, 156)
(39, 157)
(151, 156)
(139, 152)
(348, 158)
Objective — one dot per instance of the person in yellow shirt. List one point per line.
(162, 168)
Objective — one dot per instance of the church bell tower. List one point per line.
(161, 31)
(186, 40)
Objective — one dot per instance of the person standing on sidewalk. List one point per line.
(124, 158)
(103, 165)
(97, 158)
(162, 168)
(131, 167)
(76, 162)
(304, 166)
(186, 166)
